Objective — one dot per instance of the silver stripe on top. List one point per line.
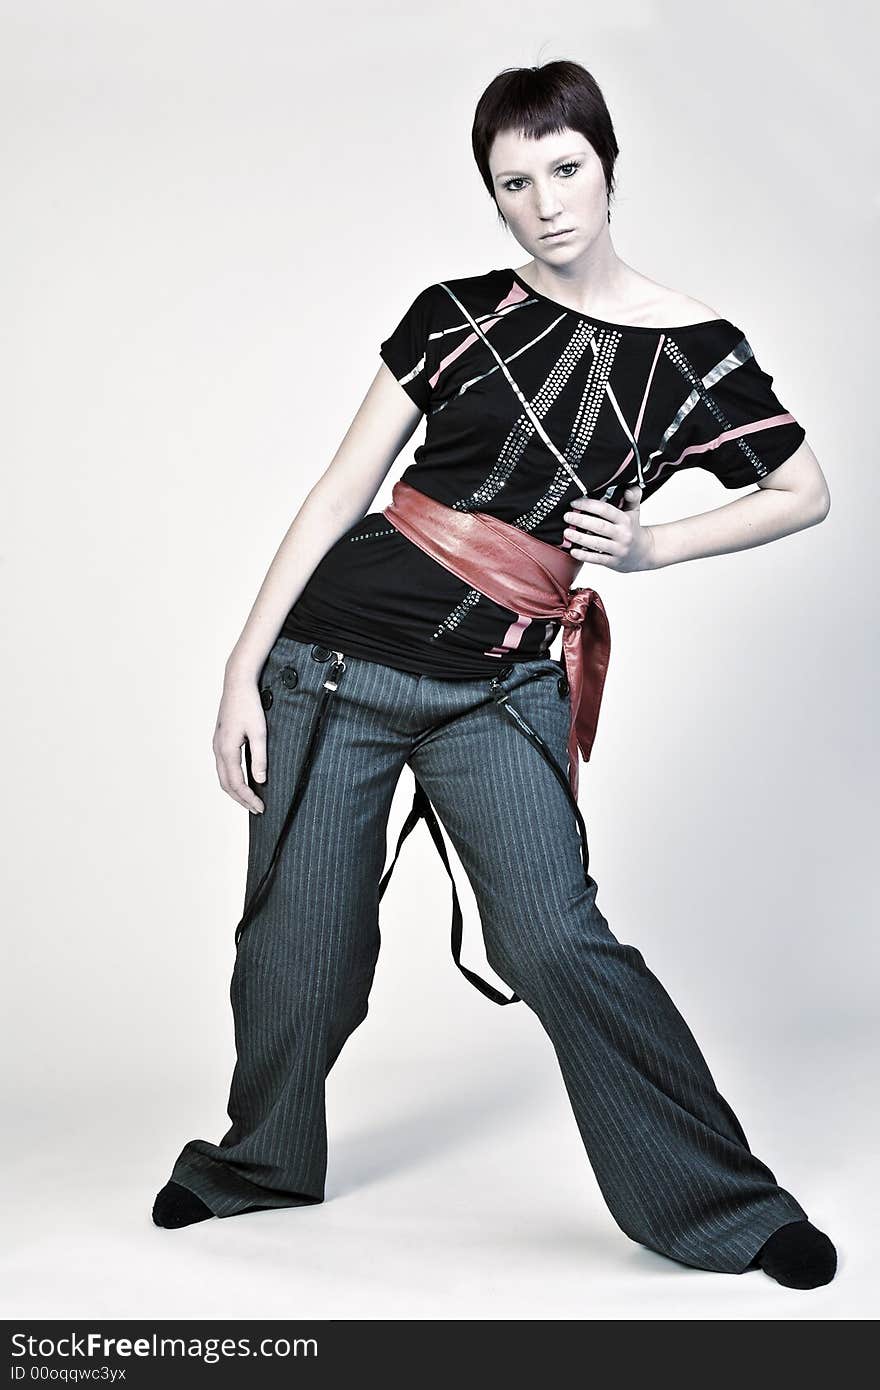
(525, 405)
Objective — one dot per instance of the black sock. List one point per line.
(177, 1206)
(797, 1255)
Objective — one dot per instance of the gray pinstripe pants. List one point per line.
(670, 1156)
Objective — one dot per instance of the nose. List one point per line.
(548, 205)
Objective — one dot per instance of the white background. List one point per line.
(213, 214)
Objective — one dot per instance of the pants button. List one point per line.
(562, 685)
(266, 697)
(320, 653)
(289, 677)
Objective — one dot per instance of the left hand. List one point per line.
(608, 535)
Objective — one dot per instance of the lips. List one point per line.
(563, 231)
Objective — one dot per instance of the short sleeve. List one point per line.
(406, 352)
(731, 423)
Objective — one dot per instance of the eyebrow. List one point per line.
(561, 159)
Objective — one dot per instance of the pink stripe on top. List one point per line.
(737, 433)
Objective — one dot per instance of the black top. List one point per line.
(620, 403)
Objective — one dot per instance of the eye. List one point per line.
(572, 164)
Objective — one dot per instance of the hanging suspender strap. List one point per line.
(422, 808)
(501, 698)
(262, 888)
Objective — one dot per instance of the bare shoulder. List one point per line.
(682, 309)
(663, 307)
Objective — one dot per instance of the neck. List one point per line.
(596, 282)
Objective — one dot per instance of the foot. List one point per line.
(797, 1255)
(177, 1206)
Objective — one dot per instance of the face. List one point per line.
(555, 184)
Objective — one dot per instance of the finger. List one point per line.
(593, 557)
(632, 497)
(582, 531)
(232, 779)
(257, 745)
(252, 801)
(594, 507)
(590, 546)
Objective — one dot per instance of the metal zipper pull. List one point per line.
(499, 694)
(335, 672)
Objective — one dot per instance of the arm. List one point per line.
(792, 497)
(384, 422)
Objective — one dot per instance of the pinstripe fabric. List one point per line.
(669, 1154)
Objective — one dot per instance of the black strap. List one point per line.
(262, 888)
(501, 698)
(422, 807)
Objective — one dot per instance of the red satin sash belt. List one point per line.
(530, 578)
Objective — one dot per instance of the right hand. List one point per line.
(240, 717)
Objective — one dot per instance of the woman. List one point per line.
(558, 396)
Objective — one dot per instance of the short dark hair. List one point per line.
(540, 101)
